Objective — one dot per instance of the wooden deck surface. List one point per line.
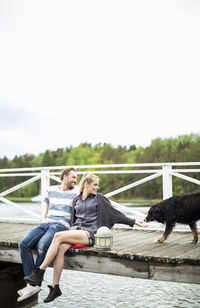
(135, 254)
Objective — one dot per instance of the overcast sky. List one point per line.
(116, 71)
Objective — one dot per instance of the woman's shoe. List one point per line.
(53, 293)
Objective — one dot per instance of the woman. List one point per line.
(90, 210)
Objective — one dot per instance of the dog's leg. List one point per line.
(168, 229)
(193, 227)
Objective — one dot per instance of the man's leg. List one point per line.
(27, 244)
(25, 247)
(45, 241)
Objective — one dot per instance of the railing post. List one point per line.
(167, 181)
(45, 182)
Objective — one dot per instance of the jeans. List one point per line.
(39, 238)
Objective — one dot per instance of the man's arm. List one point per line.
(46, 210)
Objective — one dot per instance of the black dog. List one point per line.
(183, 209)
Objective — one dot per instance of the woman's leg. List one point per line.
(55, 291)
(59, 263)
(69, 237)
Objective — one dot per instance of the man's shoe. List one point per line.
(28, 291)
(36, 276)
(53, 293)
(20, 292)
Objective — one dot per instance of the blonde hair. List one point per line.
(87, 178)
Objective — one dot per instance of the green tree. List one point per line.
(48, 159)
(80, 155)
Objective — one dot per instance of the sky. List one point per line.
(116, 71)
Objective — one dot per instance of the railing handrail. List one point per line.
(102, 166)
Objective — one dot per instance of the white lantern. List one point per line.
(103, 238)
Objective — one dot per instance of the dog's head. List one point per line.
(155, 214)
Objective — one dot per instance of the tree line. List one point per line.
(185, 148)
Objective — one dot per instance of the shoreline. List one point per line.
(128, 202)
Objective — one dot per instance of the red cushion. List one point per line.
(75, 246)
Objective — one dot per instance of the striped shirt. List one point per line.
(60, 205)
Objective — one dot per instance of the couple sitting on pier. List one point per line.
(70, 218)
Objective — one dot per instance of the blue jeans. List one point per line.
(39, 238)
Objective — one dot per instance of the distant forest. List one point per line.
(185, 148)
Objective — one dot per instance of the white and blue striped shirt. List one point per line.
(60, 205)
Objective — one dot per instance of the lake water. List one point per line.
(89, 290)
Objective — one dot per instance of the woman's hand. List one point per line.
(141, 224)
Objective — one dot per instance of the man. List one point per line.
(57, 218)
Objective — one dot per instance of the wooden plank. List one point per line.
(176, 273)
(114, 266)
(132, 245)
(174, 250)
(9, 255)
(135, 239)
(192, 250)
(169, 246)
(14, 232)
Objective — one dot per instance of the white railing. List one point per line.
(44, 174)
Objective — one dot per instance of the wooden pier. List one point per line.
(134, 254)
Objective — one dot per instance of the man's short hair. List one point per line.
(66, 172)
